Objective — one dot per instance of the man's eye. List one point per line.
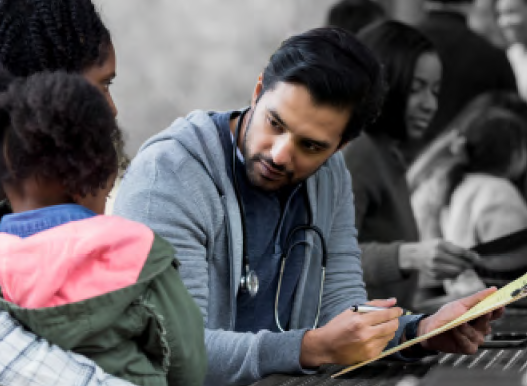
(274, 123)
(312, 147)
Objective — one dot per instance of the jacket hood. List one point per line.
(73, 262)
(198, 136)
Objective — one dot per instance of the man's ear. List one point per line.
(257, 91)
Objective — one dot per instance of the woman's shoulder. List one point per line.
(362, 144)
(362, 152)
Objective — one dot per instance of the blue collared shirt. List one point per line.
(28, 223)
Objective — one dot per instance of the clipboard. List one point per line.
(510, 293)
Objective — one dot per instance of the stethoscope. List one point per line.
(249, 279)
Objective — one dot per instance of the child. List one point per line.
(474, 193)
(99, 285)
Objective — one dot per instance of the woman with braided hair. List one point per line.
(67, 35)
(49, 35)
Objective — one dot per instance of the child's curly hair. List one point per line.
(57, 126)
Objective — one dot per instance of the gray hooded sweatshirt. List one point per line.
(179, 187)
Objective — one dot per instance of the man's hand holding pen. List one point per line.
(352, 337)
(363, 331)
(365, 308)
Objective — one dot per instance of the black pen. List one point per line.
(364, 308)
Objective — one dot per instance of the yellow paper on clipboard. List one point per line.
(512, 292)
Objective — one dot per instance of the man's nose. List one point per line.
(282, 149)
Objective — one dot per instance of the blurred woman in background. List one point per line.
(392, 253)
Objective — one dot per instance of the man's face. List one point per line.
(512, 19)
(287, 137)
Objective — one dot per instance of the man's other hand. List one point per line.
(467, 337)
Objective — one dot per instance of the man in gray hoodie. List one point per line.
(242, 194)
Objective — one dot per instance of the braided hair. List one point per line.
(57, 126)
(40, 35)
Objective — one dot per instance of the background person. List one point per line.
(387, 231)
(474, 196)
(354, 15)
(471, 64)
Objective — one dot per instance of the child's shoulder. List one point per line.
(110, 225)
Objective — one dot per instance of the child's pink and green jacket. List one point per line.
(107, 288)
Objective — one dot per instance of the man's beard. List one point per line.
(251, 161)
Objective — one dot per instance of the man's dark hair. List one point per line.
(353, 15)
(57, 126)
(337, 70)
(398, 47)
(49, 35)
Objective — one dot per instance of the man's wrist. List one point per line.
(413, 330)
(313, 353)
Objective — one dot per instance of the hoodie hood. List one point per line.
(198, 136)
(73, 262)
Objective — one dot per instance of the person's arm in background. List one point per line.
(380, 261)
(391, 262)
(28, 360)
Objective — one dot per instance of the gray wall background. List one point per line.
(175, 56)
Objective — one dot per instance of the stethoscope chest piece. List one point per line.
(250, 282)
